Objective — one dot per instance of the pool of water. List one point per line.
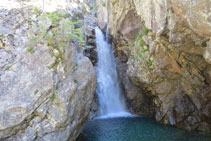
(136, 129)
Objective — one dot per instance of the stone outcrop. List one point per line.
(166, 45)
(46, 84)
(138, 100)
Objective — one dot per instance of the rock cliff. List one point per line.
(46, 83)
(165, 48)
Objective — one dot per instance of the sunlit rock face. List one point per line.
(45, 92)
(165, 44)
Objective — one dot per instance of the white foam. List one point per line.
(111, 102)
(116, 115)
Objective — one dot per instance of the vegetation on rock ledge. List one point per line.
(142, 50)
(59, 31)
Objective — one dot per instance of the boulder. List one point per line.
(46, 91)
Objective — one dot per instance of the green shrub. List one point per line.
(36, 91)
(142, 43)
(104, 4)
(53, 98)
(57, 87)
(30, 50)
(139, 37)
(146, 31)
(58, 35)
(7, 67)
(76, 81)
(36, 11)
(143, 51)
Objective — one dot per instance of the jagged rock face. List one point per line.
(45, 92)
(138, 100)
(168, 50)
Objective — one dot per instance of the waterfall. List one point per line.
(111, 103)
(107, 33)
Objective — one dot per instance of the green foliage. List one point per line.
(55, 64)
(57, 87)
(63, 30)
(150, 62)
(133, 43)
(30, 50)
(55, 17)
(114, 2)
(146, 31)
(76, 81)
(146, 50)
(104, 4)
(58, 35)
(87, 7)
(53, 97)
(30, 20)
(140, 55)
(142, 43)
(36, 91)
(36, 11)
(139, 37)
(143, 52)
(94, 7)
(2, 36)
(7, 67)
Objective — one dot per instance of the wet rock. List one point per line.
(91, 53)
(166, 50)
(204, 127)
(94, 112)
(91, 50)
(138, 101)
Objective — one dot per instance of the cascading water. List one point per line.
(110, 101)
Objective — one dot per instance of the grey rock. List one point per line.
(207, 53)
(166, 49)
(38, 102)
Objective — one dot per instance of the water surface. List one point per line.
(136, 129)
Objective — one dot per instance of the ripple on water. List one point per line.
(136, 129)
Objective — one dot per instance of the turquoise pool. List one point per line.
(136, 129)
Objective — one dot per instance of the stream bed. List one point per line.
(136, 129)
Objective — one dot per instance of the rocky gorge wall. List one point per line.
(46, 83)
(164, 52)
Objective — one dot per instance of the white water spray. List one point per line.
(110, 101)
